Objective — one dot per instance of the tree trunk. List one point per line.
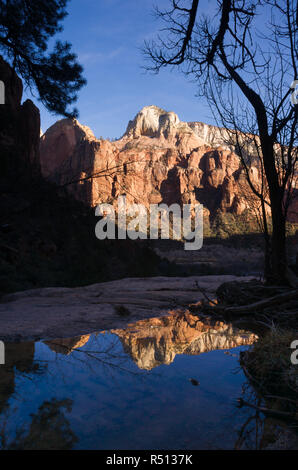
(267, 263)
(278, 256)
(278, 244)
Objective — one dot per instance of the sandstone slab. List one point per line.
(47, 313)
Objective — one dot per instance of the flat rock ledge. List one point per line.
(60, 312)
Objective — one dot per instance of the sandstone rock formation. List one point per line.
(19, 128)
(62, 140)
(211, 135)
(155, 341)
(158, 159)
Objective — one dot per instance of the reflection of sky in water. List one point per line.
(115, 405)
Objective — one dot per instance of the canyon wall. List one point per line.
(159, 159)
(19, 128)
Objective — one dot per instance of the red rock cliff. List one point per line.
(158, 159)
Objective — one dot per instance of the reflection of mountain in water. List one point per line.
(67, 345)
(156, 341)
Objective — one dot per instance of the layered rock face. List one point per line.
(159, 159)
(19, 128)
(212, 135)
(156, 341)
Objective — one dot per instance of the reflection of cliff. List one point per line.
(156, 341)
(17, 357)
(67, 345)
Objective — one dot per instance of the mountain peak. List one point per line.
(152, 121)
(59, 142)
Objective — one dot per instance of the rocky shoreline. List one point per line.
(59, 312)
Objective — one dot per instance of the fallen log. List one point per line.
(269, 302)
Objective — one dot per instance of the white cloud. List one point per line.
(91, 58)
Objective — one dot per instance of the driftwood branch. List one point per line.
(200, 289)
(269, 302)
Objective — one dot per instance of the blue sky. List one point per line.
(107, 36)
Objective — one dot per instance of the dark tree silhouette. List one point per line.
(25, 29)
(244, 53)
(48, 430)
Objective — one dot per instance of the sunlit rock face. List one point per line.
(211, 135)
(158, 159)
(60, 142)
(156, 341)
(152, 121)
(220, 137)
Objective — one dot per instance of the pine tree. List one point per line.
(25, 29)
